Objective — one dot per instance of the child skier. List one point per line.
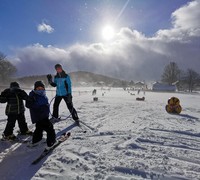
(63, 84)
(14, 97)
(39, 111)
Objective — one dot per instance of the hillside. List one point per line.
(88, 78)
(79, 78)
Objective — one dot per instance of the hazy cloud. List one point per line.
(45, 28)
(130, 55)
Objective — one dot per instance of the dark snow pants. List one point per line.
(68, 101)
(11, 123)
(44, 125)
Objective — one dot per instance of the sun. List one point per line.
(108, 32)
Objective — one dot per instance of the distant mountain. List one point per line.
(79, 78)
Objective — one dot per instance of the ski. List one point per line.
(83, 130)
(31, 145)
(17, 140)
(86, 125)
(20, 134)
(60, 140)
(77, 123)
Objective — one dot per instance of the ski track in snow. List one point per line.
(131, 140)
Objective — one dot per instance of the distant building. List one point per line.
(139, 85)
(100, 83)
(157, 86)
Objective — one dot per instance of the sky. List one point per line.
(142, 36)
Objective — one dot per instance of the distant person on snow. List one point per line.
(62, 83)
(39, 111)
(15, 109)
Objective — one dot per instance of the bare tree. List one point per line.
(192, 78)
(171, 73)
(7, 69)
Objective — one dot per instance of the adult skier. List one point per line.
(62, 82)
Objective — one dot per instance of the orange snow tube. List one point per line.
(173, 106)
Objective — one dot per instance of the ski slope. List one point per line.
(130, 140)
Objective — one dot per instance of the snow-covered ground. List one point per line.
(131, 140)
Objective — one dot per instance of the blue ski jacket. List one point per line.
(62, 82)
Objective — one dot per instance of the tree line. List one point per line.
(184, 80)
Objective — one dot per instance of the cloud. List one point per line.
(131, 55)
(187, 17)
(185, 22)
(45, 28)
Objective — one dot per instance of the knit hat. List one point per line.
(39, 84)
(58, 66)
(14, 85)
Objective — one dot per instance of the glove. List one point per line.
(49, 77)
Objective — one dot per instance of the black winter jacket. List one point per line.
(14, 98)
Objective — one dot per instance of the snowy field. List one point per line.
(129, 139)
